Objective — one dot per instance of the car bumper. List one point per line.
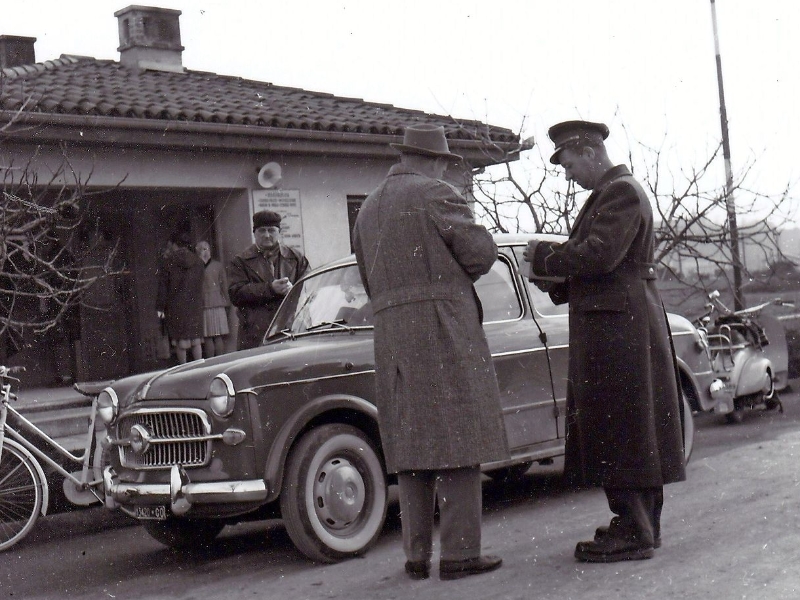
(722, 394)
(180, 493)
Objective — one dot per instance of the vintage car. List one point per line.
(289, 429)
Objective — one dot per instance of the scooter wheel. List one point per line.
(735, 417)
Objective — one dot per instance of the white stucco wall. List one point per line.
(324, 184)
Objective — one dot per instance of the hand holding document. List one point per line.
(526, 271)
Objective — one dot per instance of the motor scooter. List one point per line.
(737, 344)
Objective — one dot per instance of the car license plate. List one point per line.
(151, 513)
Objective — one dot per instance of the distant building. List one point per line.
(171, 148)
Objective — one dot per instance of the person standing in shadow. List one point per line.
(179, 292)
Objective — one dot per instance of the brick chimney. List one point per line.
(150, 38)
(16, 51)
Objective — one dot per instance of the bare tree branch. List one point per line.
(49, 254)
(692, 232)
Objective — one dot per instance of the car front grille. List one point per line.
(173, 437)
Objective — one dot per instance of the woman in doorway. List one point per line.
(180, 285)
(215, 302)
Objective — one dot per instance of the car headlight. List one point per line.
(107, 405)
(221, 395)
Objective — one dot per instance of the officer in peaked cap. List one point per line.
(623, 416)
(573, 134)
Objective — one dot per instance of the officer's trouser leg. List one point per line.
(639, 512)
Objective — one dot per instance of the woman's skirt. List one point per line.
(215, 321)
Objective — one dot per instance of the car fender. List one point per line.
(288, 434)
(698, 394)
(750, 374)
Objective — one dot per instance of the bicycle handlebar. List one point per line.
(715, 302)
(5, 372)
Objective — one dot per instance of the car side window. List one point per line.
(498, 294)
(542, 303)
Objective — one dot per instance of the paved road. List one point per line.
(730, 532)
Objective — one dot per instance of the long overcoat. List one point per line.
(180, 294)
(250, 277)
(624, 426)
(419, 252)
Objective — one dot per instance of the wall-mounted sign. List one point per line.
(287, 204)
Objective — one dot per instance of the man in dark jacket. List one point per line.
(624, 429)
(260, 276)
(419, 252)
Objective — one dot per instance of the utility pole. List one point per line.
(726, 153)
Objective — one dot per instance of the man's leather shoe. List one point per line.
(418, 569)
(456, 569)
(609, 549)
(603, 530)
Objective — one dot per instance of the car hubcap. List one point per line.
(339, 493)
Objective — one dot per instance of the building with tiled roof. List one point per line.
(162, 147)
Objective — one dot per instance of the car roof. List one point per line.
(503, 240)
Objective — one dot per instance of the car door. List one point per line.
(520, 360)
(554, 321)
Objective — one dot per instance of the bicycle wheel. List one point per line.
(20, 495)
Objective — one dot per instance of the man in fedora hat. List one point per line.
(419, 252)
(624, 429)
(260, 276)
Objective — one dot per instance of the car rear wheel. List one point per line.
(510, 474)
(184, 533)
(688, 428)
(333, 500)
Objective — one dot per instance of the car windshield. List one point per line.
(334, 299)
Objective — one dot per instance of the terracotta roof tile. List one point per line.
(85, 86)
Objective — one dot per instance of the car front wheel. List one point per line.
(333, 500)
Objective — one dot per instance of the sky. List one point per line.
(645, 67)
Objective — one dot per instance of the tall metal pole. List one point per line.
(726, 153)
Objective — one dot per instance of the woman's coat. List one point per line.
(215, 285)
(419, 252)
(624, 427)
(180, 294)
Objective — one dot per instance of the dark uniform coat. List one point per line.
(250, 277)
(624, 426)
(419, 252)
(180, 294)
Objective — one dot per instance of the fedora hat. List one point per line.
(428, 140)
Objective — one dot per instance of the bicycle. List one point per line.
(24, 490)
